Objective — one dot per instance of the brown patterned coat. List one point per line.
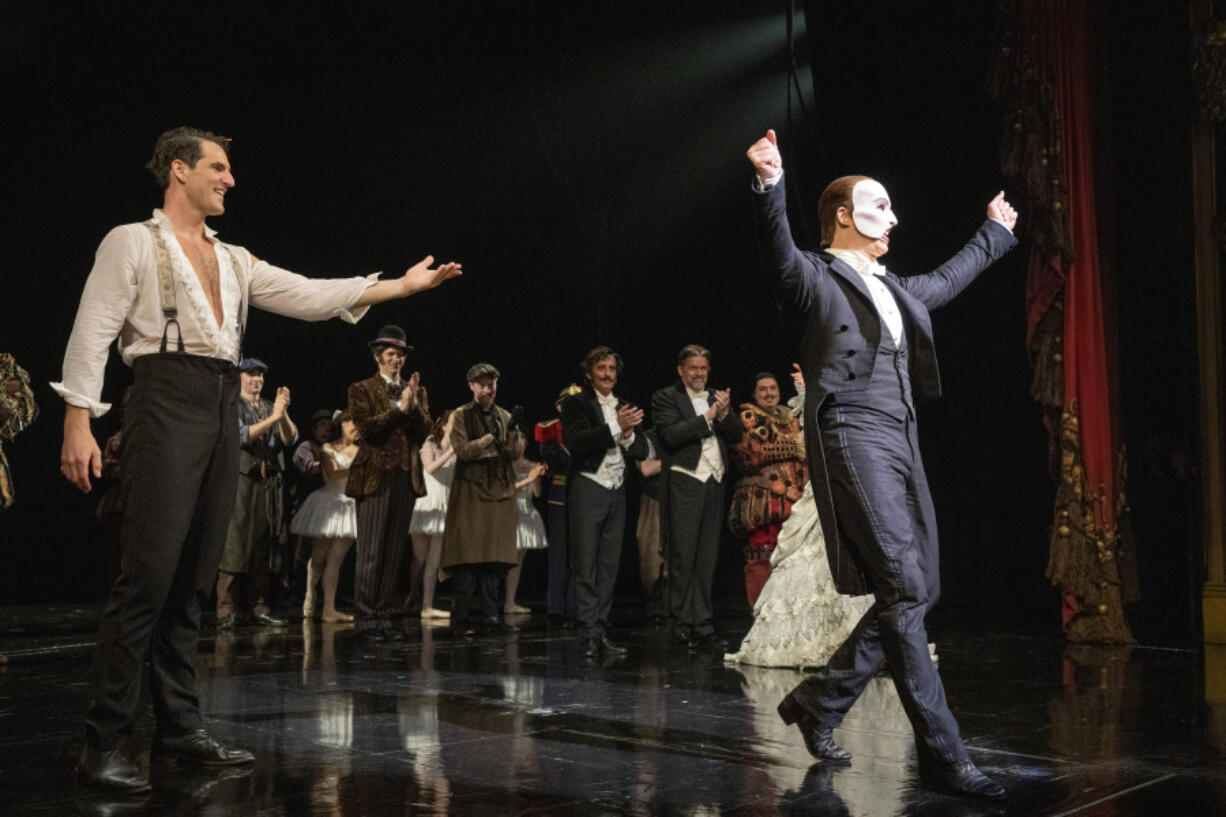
(388, 437)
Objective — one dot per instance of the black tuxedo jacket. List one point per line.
(588, 437)
(681, 430)
(834, 326)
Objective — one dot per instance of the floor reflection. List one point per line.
(437, 724)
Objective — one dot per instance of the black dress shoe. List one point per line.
(112, 769)
(609, 645)
(818, 740)
(708, 641)
(199, 747)
(589, 647)
(962, 779)
(265, 620)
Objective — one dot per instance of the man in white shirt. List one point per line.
(599, 431)
(177, 299)
(695, 427)
(864, 341)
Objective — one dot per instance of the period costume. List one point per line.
(17, 410)
(864, 340)
(180, 460)
(596, 503)
(327, 513)
(430, 511)
(385, 479)
(696, 461)
(479, 534)
(256, 536)
(530, 527)
(770, 457)
(560, 591)
(649, 530)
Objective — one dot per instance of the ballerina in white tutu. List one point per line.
(330, 519)
(430, 511)
(530, 531)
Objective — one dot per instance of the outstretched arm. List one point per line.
(418, 278)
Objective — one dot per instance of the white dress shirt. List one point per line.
(883, 299)
(121, 299)
(612, 471)
(710, 461)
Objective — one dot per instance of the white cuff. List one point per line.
(355, 314)
(72, 398)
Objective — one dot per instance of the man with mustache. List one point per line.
(599, 430)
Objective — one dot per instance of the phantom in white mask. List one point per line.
(871, 210)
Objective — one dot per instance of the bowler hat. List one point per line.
(391, 335)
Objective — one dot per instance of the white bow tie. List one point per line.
(611, 400)
(695, 395)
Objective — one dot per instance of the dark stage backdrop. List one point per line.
(586, 164)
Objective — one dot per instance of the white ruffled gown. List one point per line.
(799, 618)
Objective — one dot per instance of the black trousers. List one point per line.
(885, 512)
(596, 525)
(180, 469)
(695, 521)
(477, 592)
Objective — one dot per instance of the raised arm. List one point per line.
(992, 240)
(782, 262)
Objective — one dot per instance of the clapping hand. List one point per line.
(408, 397)
(798, 377)
(723, 399)
(629, 416)
(281, 404)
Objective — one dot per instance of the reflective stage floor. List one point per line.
(439, 724)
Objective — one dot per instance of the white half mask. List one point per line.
(871, 212)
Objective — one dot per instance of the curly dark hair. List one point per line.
(598, 354)
(180, 143)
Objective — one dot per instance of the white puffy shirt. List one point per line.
(121, 299)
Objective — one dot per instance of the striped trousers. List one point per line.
(383, 531)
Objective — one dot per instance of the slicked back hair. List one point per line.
(837, 194)
(180, 143)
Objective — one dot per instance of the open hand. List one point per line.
(765, 157)
(422, 276)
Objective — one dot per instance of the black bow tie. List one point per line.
(394, 390)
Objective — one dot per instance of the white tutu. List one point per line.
(327, 512)
(800, 619)
(430, 511)
(530, 533)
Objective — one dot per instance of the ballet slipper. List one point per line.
(335, 617)
(430, 612)
(515, 609)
